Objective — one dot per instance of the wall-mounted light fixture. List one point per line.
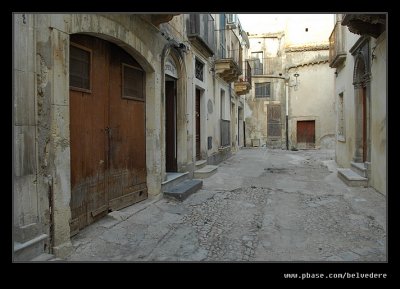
(296, 84)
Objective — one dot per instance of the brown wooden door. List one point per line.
(364, 124)
(127, 139)
(197, 115)
(170, 126)
(306, 134)
(107, 133)
(274, 121)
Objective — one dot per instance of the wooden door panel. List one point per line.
(306, 134)
(108, 153)
(87, 119)
(274, 121)
(127, 140)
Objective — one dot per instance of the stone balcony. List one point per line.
(228, 69)
(242, 87)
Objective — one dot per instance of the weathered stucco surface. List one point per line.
(42, 187)
(346, 147)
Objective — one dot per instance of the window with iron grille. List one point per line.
(199, 69)
(132, 82)
(341, 128)
(263, 89)
(257, 63)
(79, 68)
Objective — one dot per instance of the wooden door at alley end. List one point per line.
(107, 130)
(306, 134)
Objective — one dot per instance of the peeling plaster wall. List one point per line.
(290, 49)
(313, 100)
(378, 115)
(30, 191)
(41, 111)
(345, 148)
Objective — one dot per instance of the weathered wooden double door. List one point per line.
(107, 130)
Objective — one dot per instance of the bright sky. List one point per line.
(299, 29)
(262, 23)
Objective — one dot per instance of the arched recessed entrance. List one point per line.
(107, 129)
(175, 119)
(361, 83)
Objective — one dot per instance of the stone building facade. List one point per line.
(358, 53)
(291, 103)
(107, 107)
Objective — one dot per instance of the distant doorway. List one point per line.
(170, 125)
(306, 134)
(198, 128)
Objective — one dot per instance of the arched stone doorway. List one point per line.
(175, 118)
(107, 129)
(361, 82)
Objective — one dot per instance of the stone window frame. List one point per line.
(267, 83)
(341, 129)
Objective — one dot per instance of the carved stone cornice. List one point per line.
(365, 24)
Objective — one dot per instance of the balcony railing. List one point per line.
(200, 30)
(225, 133)
(266, 66)
(243, 85)
(337, 52)
(247, 72)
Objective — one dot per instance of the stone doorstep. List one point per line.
(43, 257)
(184, 189)
(201, 164)
(174, 179)
(359, 168)
(351, 178)
(205, 172)
(30, 249)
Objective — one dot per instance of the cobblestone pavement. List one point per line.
(261, 205)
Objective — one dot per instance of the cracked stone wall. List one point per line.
(345, 147)
(41, 114)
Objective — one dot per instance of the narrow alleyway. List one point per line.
(261, 205)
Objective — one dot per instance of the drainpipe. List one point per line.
(287, 114)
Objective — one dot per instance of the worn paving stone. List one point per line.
(262, 205)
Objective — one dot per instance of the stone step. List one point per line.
(183, 190)
(352, 179)
(201, 164)
(205, 172)
(359, 168)
(174, 179)
(43, 257)
(30, 249)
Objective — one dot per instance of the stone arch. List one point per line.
(114, 32)
(361, 82)
(361, 75)
(171, 53)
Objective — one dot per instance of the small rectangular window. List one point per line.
(199, 68)
(79, 68)
(263, 90)
(132, 82)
